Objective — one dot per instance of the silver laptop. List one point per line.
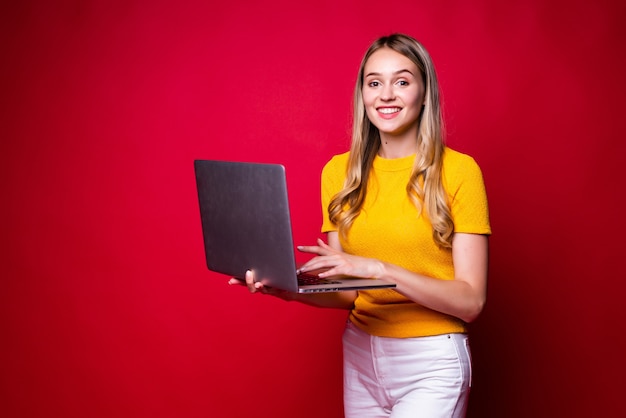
(246, 225)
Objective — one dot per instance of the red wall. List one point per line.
(106, 306)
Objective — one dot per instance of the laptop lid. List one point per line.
(246, 224)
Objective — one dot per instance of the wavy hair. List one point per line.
(425, 187)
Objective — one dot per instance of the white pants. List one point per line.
(426, 377)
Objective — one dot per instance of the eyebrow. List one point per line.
(394, 73)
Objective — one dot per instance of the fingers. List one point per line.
(320, 249)
(258, 287)
(234, 280)
(248, 281)
(253, 286)
(318, 263)
(313, 249)
(322, 244)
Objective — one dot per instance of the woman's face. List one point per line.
(393, 93)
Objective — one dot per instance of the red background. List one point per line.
(106, 306)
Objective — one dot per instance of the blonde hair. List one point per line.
(425, 187)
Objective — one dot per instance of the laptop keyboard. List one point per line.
(306, 279)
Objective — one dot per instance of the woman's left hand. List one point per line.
(339, 263)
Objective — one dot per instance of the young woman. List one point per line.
(403, 207)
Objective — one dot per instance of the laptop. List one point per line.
(244, 210)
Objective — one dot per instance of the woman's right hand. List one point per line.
(258, 287)
(337, 300)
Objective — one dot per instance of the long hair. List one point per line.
(425, 187)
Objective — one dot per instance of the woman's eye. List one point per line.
(373, 84)
(403, 83)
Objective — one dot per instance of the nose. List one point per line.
(387, 93)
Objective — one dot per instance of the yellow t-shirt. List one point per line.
(388, 228)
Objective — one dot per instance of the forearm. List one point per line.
(453, 297)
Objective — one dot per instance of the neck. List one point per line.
(399, 144)
(394, 147)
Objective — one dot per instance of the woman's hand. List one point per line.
(339, 263)
(258, 287)
(337, 300)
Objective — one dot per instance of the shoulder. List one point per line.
(334, 174)
(459, 169)
(456, 164)
(337, 165)
(453, 158)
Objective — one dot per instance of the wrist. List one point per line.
(382, 269)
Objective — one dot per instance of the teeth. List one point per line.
(388, 110)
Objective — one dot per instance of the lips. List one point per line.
(388, 112)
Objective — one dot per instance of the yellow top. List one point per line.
(388, 228)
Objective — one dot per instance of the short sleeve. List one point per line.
(468, 196)
(333, 177)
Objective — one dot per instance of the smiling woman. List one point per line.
(106, 305)
(390, 214)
